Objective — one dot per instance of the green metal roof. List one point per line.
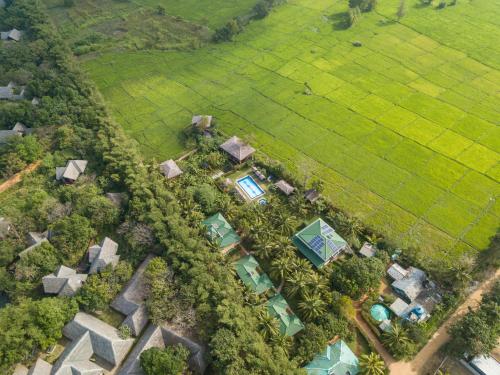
(337, 359)
(220, 232)
(290, 324)
(319, 242)
(252, 277)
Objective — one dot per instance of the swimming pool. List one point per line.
(380, 312)
(250, 187)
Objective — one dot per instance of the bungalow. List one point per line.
(5, 228)
(131, 301)
(368, 250)
(319, 243)
(396, 272)
(95, 348)
(102, 255)
(407, 283)
(13, 34)
(311, 195)
(238, 150)
(35, 239)
(11, 92)
(161, 337)
(249, 271)
(170, 169)
(399, 307)
(202, 122)
(70, 173)
(220, 232)
(65, 282)
(337, 359)
(285, 187)
(413, 312)
(289, 323)
(19, 130)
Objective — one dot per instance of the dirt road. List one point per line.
(18, 176)
(418, 364)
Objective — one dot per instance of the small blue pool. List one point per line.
(380, 312)
(250, 187)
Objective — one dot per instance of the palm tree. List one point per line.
(371, 364)
(373, 238)
(316, 281)
(349, 227)
(268, 324)
(312, 305)
(285, 222)
(280, 269)
(301, 264)
(396, 339)
(282, 342)
(297, 282)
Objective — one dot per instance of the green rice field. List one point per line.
(403, 130)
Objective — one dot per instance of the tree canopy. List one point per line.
(171, 360)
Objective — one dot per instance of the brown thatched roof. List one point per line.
(285, 187)
(238, 149)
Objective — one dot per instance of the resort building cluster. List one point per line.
(97, 348)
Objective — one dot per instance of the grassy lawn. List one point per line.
(112, 24)
(403, 130)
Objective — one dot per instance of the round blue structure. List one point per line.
(380, 312)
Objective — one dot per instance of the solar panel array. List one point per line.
(332, 245)
(326, 229)
(316, 244)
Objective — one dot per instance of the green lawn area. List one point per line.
(403, 130)
(136, 24)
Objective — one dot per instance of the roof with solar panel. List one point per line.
(319, 242)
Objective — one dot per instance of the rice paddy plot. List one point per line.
(404, 130)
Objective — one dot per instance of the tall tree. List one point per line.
(171, 360)
(397, 342)
(268, 324)
(371, 364)
(312, 305)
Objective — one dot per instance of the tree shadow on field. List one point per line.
(340, 21)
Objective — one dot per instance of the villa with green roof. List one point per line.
(319, 243)
(289, 323)
(221, 233)
(337, 359)
(249, 271)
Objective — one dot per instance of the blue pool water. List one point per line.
(380, 312)
(250, 187)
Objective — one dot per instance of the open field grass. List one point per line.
(136, 24)
(404, 130)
